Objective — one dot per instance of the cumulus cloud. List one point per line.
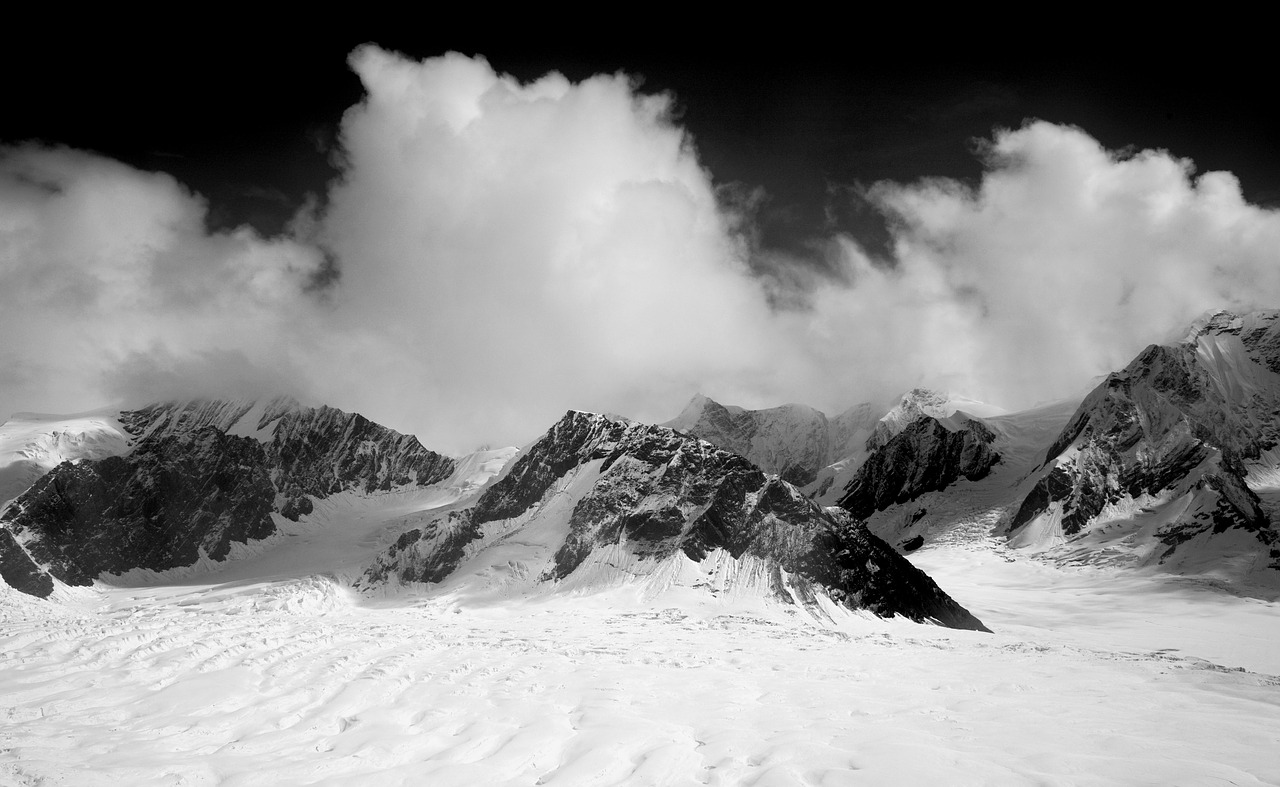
(102, 265)
(1062, 263)
(525, 248)
(507, 251)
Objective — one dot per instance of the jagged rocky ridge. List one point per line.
(199, 476)
(926, 456)
(859, 459)
(1173, 461)
(315, 451)
(659, 494)
(1174, 431)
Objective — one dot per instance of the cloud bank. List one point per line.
(108, 277)
(508, 251)
(530, 248)
(1063, 263)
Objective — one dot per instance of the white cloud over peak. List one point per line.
(101, 264)
(508, 251)
(1067, 259)
(531, 248)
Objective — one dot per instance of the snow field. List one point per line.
(303, 681)
(268, 669)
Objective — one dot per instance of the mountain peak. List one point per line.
(921, 403)
(1225, 321)
(595, 501)
(1214, 321)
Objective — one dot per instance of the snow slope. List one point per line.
(32, 444)
(1091, 677)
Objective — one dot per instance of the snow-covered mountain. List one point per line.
(1172, 460)
(824, 455)
(920, 403)
(927, 455)
(597, 501)
(602, 500)
(924, 443)
(955, 472)
(188, 481)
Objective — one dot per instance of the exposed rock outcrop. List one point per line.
(156, 508)
(926, 456)
(315, 451)
(19, 571)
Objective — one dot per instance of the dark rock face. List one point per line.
(155, 508)
(659, 492)
(857, 569)
(1180, 419)
(924, 457)
(311, 451)
(324, 451)
(19, 571)
(188, 486)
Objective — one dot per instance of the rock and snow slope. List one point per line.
(32, 444)
(191, 479)
(1169, 460)
(597, 502)
(1172, 462)
(923, 443)
(603, 500)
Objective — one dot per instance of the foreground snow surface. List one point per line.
(1090, 678)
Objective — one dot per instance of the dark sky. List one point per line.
(247, 117)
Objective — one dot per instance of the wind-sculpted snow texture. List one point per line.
(156, 508)
(661, 494)
(199, 476)
(1178, 427)
(793, 441)
(926, 456)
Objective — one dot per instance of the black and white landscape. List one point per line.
(471, 460)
